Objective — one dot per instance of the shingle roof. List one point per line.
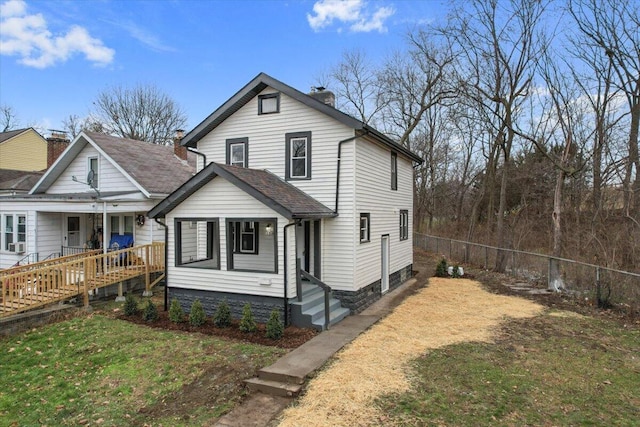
(11, 133)
(17, 180)
(261, 82)
(279, 195)
(155, 167)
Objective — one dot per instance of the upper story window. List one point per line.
(394, 171)
(298, 155)
(269, 103)
(92, 173)
(365, 227)
(238, 152)
(404, 224)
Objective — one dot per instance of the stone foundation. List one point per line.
(261, 306)
(358, 300)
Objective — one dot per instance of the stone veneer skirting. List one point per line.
(261, 306)
(358, 300)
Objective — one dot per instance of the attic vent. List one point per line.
(323, 95)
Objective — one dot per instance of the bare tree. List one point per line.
(143, 113)
(74, 124)
(8, 118)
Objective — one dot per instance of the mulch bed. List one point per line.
(293, 336)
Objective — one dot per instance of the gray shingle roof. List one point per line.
(279, 195)
(11, 133)
(155, 167)
(16, 180)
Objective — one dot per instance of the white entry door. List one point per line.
(384, 280)
(73, 231)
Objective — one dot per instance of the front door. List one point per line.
(73, 231)
(303, 238)
(384, 250)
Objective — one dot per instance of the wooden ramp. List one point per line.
(40, 284)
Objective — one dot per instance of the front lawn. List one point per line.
(95, 370)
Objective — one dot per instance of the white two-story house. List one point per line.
(289, 186)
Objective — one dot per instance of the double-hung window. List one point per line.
(365, 227)
(14, 230)
(298, 155)
(394, 171)
(92, 174)
(404, 224)
(245, 237)
(238, 152)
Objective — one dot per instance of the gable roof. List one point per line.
(284, 198)
(11, 133)
(154, 169)
(261, 82)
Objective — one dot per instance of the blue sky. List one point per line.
(56, 56)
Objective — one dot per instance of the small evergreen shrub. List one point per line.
(247, 323)
(150, 312)
(197, 317)
(275, 328)
(222, 316)
(455, 273)
(130, 305)
(441, 269)
(176, 314)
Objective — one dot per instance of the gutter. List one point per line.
(286, 295)
(204, 157)
(338, 166)
(166, 263)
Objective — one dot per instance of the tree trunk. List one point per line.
(555, 277)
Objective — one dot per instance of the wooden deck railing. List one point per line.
(39, 284)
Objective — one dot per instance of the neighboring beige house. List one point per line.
(289, 177)
(23, 149)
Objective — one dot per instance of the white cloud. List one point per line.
(143, 36)
(28, 37)
(353, 12)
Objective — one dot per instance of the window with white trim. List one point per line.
(404, 224)
(237, 152)
(92, 173)
(14, 230)
(365, 227)
(298, 155)
(394, 171)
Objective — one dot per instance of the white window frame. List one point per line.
(404, 224)
(232, 146)
(96, 181)
(292, 157)
(17, 236)
(365, 227)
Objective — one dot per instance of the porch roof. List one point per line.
(284, 198)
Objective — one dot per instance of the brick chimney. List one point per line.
(179, 150)
(323, 95)
(57, 142)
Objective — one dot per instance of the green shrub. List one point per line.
(275, 328)
(441, 269)
(150, 312)
(176, 314)
(222, 316)
(455, 273)
(197, 317)
(247, 324)
(130, 305)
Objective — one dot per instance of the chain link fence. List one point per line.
(605, 286)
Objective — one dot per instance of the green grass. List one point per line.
(544, 371)
(103, 371)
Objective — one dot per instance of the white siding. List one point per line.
(221, 199)
(266, 134)
(109, 179)
(374, 196)
(49, 233)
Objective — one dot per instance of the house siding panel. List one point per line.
(109, 177)
(26, 152)
(374, 196)
(221, 199)
(49, 233)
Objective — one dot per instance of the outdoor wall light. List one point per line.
(268, 229)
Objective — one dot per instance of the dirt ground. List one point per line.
(443, 312)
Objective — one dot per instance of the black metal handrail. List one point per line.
(326, 288)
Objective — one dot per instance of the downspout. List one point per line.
(286, 295)
(166, 263)
(338, 166)
(204, 157)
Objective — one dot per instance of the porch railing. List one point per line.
(326, 288)
(39, 284)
